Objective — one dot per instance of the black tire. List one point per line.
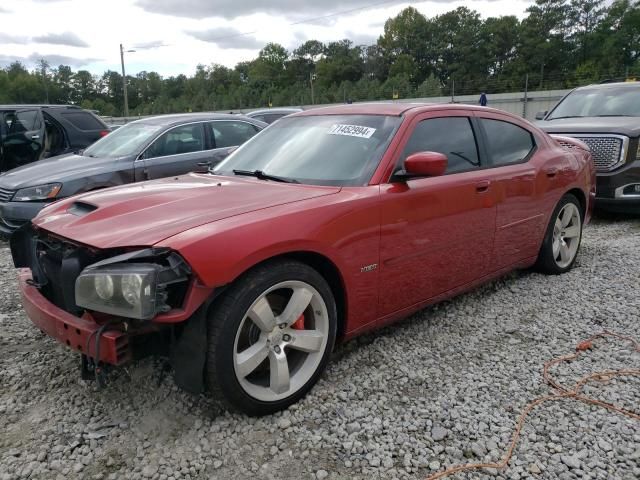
(546, 262)
(226, 317)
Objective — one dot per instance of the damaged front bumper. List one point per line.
(77, 333)
(48, 267)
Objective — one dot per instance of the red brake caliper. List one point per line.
(299, 323)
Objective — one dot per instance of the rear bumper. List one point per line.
(69, 330)
(15, 214)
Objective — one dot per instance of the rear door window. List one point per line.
(230, 133)
(83, 121)
(451, 136)
(507, 143)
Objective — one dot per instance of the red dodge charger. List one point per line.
(329, 223)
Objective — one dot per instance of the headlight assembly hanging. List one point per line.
(130, 289)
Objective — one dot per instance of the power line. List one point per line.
(309, 20)
(150, 47)
(357, 9)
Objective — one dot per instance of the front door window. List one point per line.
(179, 140)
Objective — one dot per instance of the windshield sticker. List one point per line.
(352, 131)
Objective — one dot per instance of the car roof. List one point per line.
(162, 120)
(274, 110)
(389, 108)
(18, 107)
(616, 85)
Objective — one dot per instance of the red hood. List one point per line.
(147, 213)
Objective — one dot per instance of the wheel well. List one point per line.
(331, 274)
(579, 194)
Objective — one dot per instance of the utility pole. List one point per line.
(453, 90)
(124, 83)
(312, 77)
(44, 65)
(526, 93)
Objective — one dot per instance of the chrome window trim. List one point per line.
(623, 150)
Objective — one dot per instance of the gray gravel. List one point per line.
(440, 388)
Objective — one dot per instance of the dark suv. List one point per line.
(33, 132)
(607, 118)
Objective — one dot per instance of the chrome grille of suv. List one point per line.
(608, 150)
(6, 195)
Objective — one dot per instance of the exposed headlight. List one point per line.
(41, 192)
(124, 290)
(132, 288)
(104, 286)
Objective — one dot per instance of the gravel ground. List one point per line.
(441, 388)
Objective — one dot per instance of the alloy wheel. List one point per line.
(566, 235)
(281, 340)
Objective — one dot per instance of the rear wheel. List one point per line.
(562, 240)
(270, 337)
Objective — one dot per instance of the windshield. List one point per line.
(341, 150)
(127, 140)
(606, 101)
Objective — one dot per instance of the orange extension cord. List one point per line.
(575, 393)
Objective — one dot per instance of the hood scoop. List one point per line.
(149, 212)
(80, 209)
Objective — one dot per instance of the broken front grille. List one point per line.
(608, 151)
(6, 195)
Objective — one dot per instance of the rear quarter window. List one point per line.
(84, 121)
(272, 117)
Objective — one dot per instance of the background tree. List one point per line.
(559, 44)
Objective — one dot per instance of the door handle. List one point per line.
(551, 172)
(483, 186)
(35, 137)
(204, 164)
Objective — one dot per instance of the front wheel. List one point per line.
(562, 240)
(270, 337)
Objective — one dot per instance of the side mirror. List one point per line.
(541, 115)
(425, 164)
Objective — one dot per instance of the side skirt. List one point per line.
(405, 312)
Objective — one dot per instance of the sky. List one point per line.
(174, 36)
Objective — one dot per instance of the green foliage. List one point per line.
(560, 44)
(430, 87)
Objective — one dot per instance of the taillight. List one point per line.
(104, 133)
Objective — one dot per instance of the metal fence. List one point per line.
(525, 104)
